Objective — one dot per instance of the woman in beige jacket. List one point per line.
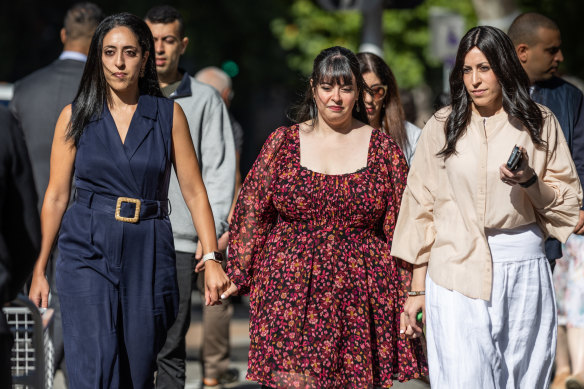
(474, 228)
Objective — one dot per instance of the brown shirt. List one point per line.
(448, 204)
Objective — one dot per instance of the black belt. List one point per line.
(125, 209)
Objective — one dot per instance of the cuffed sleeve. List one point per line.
(414, 233)
(560, 216)
(254, 214)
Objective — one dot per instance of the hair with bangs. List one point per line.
(499, 51)
(335, 65)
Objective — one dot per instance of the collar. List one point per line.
(74, 55)
(184, 88)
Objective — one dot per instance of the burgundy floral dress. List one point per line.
(312, 250)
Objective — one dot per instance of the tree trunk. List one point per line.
(496, 13)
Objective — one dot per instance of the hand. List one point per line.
(216, 283)
(39, 290)
(199, 251)
(408, 323)
(522, 174)
(223, 241)
(579, 230)
(231, 291)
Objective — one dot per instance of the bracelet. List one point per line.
(529, 182)
(416, 292)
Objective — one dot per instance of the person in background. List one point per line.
(217, 320)
(310, 242)
(221, 81)
(20, 233)
(474, 226)
(383, 104)
(116, 271)
(38, 100)
(211, 134)
(537, 42)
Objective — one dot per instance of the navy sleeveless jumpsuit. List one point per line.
(116, 270)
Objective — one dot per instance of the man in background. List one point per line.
(537, 41)
(212, 136)
(37, 102)
(222, 83)
(20, 233)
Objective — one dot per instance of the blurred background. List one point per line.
(267, 46)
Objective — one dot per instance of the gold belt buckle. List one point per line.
(136, 211)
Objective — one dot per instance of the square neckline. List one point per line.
(358, 171)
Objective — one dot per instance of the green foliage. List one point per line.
(308, 29)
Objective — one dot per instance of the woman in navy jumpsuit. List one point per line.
(116, 272)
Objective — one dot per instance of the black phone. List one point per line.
(514, 159)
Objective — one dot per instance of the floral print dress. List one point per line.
(312, 251)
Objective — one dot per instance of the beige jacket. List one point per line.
(448, 204)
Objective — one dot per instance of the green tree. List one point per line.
(308, 29)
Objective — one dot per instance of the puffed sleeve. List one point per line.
(414, 232)
(397, 169)
(560, 216)
(254, 214)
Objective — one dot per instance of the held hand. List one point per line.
(579, 230)
(216, 283)
(39, 291)
(522, 174)
(200, 266)
(408, 323)
(231, 291)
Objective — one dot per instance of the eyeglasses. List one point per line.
(377, 91)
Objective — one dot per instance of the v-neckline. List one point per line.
(123, 141)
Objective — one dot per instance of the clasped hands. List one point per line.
(217, 285)
(408, 324)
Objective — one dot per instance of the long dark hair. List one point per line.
(335, 65)
(499, 51)
(93, 91)
(392, 111)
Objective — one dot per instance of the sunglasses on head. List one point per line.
(377, 91)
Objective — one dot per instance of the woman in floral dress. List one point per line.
(310, 243)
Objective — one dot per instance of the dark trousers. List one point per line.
(171, 359)
(215, 343)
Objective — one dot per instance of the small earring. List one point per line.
(142, 71)
(357, 107)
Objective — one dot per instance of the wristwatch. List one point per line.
(213, 256)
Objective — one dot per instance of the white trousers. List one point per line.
(507, 342)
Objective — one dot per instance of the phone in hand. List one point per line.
(514, 159)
